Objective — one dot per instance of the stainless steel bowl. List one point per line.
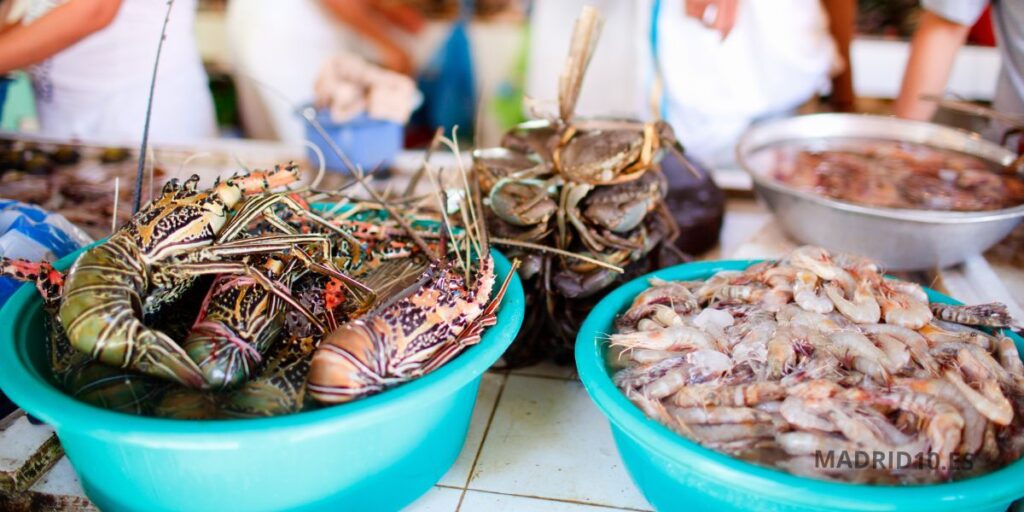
(900, 239)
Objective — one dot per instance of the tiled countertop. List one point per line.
(536, 442)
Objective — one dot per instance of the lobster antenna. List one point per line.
(149, 113)
(554, 250)
(309, 114)
(415, 180)
(117, 197)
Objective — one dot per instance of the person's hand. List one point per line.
(374, 21)
(395, 58)
(717, 15)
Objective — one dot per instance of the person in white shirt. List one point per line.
(91, 62)
(725, 63)
(277, 47)
(941, 32)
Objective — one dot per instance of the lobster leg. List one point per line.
(49, 281)
(286, 243)
(237, 268)
(261, 205)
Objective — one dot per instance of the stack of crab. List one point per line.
(582, 203)
(592, 189)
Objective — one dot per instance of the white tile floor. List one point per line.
(536, 442)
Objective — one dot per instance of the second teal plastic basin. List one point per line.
(674, 473)
(379, 453)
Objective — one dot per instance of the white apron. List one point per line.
(778, 55)
(98, 88)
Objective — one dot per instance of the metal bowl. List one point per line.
(900, 239)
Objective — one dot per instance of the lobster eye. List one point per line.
(171, 186)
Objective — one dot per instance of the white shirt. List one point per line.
(98, 88)
(1008, 19)
(777, 56)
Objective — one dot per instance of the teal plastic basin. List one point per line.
(674, 473)
(379, 453)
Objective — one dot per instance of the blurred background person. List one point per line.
(91, 62)
(941, 32)
(729, 63)
(278, 48)
(725, 63)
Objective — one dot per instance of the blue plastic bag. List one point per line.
(448, 83)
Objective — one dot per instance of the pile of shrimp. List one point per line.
(818, 365)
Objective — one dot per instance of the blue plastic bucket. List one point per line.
(366, 142)
(674, 473)
(379, 453)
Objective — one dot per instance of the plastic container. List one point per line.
(379, 453)
(5, 85)
(366, 142)
(674, 473)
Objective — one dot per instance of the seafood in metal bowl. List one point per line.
(223, 302)
(924, 235)
(803, 363)
(894, 174)
(583, 203)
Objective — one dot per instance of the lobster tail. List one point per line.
(349, 364)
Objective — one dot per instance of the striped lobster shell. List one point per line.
(408, 337)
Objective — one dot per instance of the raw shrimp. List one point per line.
(808, 443)
(857, 264)
(781, 354)
(1009, 357)
(816, 260)
(863, 309)
(711, 287)
(940, 331)
(915, 343)
(868, 358)
(646, 356)
(989, 400)
(728, 432)
(901, 308)
(806, 295)
(745, 395)
(698, 366)
(805, 413)
(974, 422)
(638, 376)
(821, 353)
(986, 315)
(980, 364)
(666, 384)
(944, 422)
(659, 316)
(717, 415)
(897, 352)
(797, 317)
(675, 337)
(676, 296)
(821, 366)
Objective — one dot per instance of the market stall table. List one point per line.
(536, 441)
